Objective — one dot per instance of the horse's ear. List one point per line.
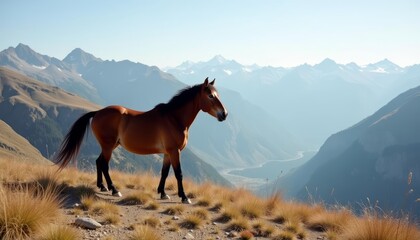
(212, 82)
(206, 82)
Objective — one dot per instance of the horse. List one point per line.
(161, 130)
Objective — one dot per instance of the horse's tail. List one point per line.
(71, 144)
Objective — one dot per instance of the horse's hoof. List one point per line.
(165, 197)
(186, 201)
(104, 189)
(116, 194)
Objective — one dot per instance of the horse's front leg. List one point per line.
(164, 174)
(176, 165)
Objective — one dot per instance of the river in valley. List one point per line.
(253, 178)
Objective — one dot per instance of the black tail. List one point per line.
(71, 145)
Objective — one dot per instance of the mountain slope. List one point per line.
(14, 147)
(371, 160)
(43, 114)
(48, 70)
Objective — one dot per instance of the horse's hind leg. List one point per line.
(164, 174)
(99, 181)
(104, 163)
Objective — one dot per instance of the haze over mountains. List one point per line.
(312, 101)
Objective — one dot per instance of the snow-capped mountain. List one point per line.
(47, 69)
(314, 101)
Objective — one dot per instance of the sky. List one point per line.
(167, 33)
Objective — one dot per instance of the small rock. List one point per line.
(88, 223)
(218, 238)
(189, 236)
(232, 234)
(191, 231)
(215, 223)
(175, 218)
(76, 205)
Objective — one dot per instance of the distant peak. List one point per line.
(218, 58)
(326, 65)
(328, 61)
(80, 56)
(23, 47)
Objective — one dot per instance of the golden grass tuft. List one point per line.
(295, 211)
(102, 207)
(284, 235)
(144, 232)
(152, 205)
(252, 208)
(238, 225)
(272, 203)
(24, 212)
(262, 229)
(192, 221)
(56, 232)
(136, 198)
(112, 218)
(329, 220)
(174, 210)
(153, 222)
(228, 215)
(386, 228)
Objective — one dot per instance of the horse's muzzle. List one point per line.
(221, 116)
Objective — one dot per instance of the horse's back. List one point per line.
(106, 123)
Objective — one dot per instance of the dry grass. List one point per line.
(232, 209)
(56, 232)
(136, 198)
(284, 235)
(295, 211)
(174, 210)
(112, 218)
(328, 220)
(192, 221)
(228, 215)
(24, 212)
(238, 225)
(144, 233)
(386, 228)
(153, 222)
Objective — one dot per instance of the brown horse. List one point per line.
(164, 129)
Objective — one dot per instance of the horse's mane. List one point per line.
(181, 98)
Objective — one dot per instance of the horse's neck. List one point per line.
(186, 114)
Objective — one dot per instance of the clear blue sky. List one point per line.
(166, 33)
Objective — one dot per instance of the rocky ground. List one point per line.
(168, 226)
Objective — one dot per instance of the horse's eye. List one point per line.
(211, 96)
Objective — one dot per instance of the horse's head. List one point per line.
(210, 102)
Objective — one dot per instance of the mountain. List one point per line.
(368, 163)
(48, 70)
(312, 101)
(236, 142)
(79, 59)
(43, 114)
(16, 148)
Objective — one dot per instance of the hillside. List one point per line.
(216, 213)
(14, 147)
(235, 143)
(48, 70)
(43, 114)
(368, 163)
